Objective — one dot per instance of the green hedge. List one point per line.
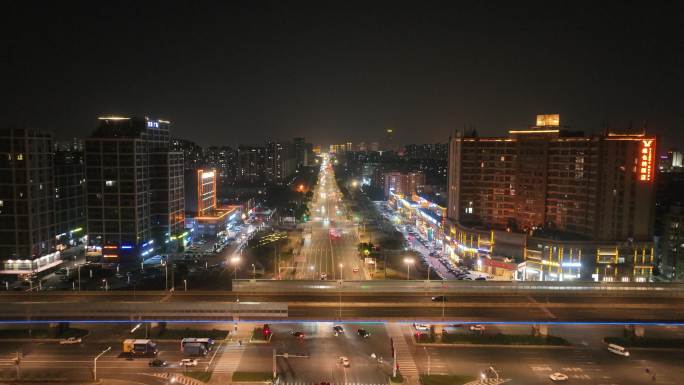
(503, 339)
(438, 379)
(199, 375)
(646, 342)
(253, 376)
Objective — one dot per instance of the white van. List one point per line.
(617, 349)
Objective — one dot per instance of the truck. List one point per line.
(196, 346)
(140, 347)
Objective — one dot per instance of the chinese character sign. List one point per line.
(645, 169)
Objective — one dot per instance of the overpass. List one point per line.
(409, 301)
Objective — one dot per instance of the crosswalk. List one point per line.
(229, 358)
(489, 381)
(178, 379)
(331, 383)
(407, 365)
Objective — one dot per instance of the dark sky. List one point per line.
(237, 72)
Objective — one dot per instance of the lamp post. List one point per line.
(185, 284)
(341, 272)
(79, 277)
(253, 272)
(408, 262)
(95, 362)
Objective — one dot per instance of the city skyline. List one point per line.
(238, 73)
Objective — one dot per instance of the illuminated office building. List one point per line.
(134, 190)
(27, 202)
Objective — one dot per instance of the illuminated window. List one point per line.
(20, 156)
(110, 183)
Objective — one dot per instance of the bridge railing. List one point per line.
(474, 287)
(132, 311)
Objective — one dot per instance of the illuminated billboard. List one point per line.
(552, 120)
(646, 160)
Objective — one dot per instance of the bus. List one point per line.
(617, 349)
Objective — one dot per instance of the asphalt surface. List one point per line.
(408, 307)
(315, 357)
(331, 250)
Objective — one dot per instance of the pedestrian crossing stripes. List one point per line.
(229, 358)
(489, 381)
(179, 378)
(405, 361)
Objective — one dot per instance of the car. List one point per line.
(558, 377)
(355, 269)
(296, 334)
(344, 361)
(324, 276)
(70, 341)
(338, 329)
(157, 363)
(477, 328)
(188, 362)
(422, 327)
(363, 333)
(439, 298)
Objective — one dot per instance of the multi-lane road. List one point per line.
(330, 244)
(315, 357)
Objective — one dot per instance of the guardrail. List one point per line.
(469, 287)
(141, 311)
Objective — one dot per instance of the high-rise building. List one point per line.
(560, 186)
(303, 152)
(204, 217)
(389, 140)
(70, 216)
(671, 161)
(405, 184)
(225, 160)
(193, 155)
(280, 161)
(134, 186)
(251, 164)
(27, 202)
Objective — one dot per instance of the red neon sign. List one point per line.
(645, 168)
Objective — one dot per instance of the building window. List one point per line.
(110, 183)
(20, 156)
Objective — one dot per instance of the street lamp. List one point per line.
(185, 284)
(235, 260)
(408, 262)
(253, 272)
(95, 362)
(341, 272)
(311, 268)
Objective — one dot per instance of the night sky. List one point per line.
(238, 72)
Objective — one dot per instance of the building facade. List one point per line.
(27, 202)
(134, 189)
(588, 195)
(405, 184)
(70, 211)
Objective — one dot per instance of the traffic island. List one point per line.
(253, 377)
(646, 342)
(259, 336)
(42, 333)
(443, 379)
(199, 375)
(398, 379)
(178, 334)
(500, 339)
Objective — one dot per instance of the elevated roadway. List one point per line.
(363, 301)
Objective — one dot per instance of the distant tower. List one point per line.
(389, 139)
